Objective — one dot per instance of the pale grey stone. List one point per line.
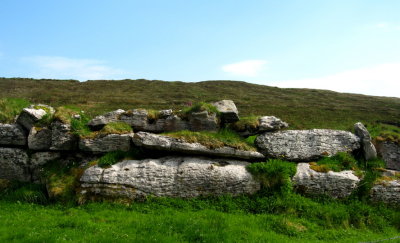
(306, 145)
(14, 164)
(228, 111)
(39, 138)
(390, 152)
(174, 123)
(270, 123)
(387, 192)
(137, 119)
(368, 148)
(165, 143)
(107, 143)
(183, 177)
(203, 121)
(12, 134)
(62, 138)
(99, 122)
(335, 184)
(29, 116)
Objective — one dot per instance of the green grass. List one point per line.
(212, 140)
(249, 122)
(339, 162)
(384, 132)
(114, 157)
(201, 106)
(10, 108)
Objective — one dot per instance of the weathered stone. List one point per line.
(335, 184)
(165, 113)
(29, 116)
(62, 138)
(99, 122)
(107, 143)
(369, 151)
(175, 123)
(38, 160)
(183, 177)
(14, 164)
(137, 119)
(39, 138)
(203, 121)
(12, 134)
(390, 153)
(228, 111)
(387, 192)
(270, 123)
(165, 143)
(306, 145)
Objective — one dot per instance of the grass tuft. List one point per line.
(114, 157)
(339, 162)
(201, 106)
(10, 108)
(246, 123)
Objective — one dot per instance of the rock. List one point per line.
(174, 123)
(165, 143)
(39, 138)
(306, 145)
(14, 164)
(183, 177)
(165, 113)
(38, 160)
(390, 152)
(228, 111)
(136, 118)
(335, 184)
(387, 192)
(203, 121)
(270, 123)
(29, 116)
(369, 151)
(12, 134)
(107, 143)
(99, 122)
(62, 138)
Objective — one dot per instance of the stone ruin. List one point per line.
(177, 168)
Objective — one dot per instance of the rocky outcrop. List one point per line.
(335, 184)
(183, 177)
(263, 124)
(387, 192)
(368, 149)
(136, 118)
(14, 164)
(203, 121)
(39, 138)
(12, 134)
(62, 138)
(306, 145)
(390, 153)
(227, 110)
(107, 143)
(99, 122)
(29, 116)
(165, 143)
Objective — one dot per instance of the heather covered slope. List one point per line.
(302, 108)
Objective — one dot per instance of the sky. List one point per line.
(348, 46)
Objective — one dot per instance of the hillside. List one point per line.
(301, 108)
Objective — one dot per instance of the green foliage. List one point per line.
(201, 106)
(79, 126)
(212, 140)
(384, 132)
(114, 157)
(116, 128)
(65, 114)
(340, 161)
(10, 108)
(274, 175)
(24, 192)
(246, 123)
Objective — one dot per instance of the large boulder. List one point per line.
(137, 119)
(14, 164)
(99, 122)
(203, 121)
(107, 143)
(387, 191)
(368, 149)
(306, 145)
(335, 184)
(62, 137)
(227, 110)
(39, 138)
(390, 153)
(164, 143)
(183, 177)
(12, 134)
(29, 116)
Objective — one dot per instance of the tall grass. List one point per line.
(10, 108)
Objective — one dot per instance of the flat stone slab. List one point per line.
(165, 143)
(12, 134)
(335, 184)
(183, 177)
(107, 143)
(306, 145)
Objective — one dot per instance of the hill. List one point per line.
(301, 108)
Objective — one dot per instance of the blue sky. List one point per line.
(347, 46)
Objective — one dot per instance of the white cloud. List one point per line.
(380, 80)
(247, 68)
(69, 68)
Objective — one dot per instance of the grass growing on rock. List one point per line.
(114, 157)
(339, 162)
(110, 128)
(249, 122)
(213, 140)
(201, 106)
(384, 132)
(10, 108)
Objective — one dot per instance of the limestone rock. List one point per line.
(165, 143)
(136, 118)
(62, 138)
(107, 143)
(29, 116)
(306, 145)
(369, 151)
(183, 177)
(335, 184)
(228, 111)
(390, 152)
(387, 192)
(174, 123)
(14, 164)
(38, 160)
(203, 121)
(12, 134)
(270, 123)
(99, 122)
(39, 138)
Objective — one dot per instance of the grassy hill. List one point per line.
(302, 108)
